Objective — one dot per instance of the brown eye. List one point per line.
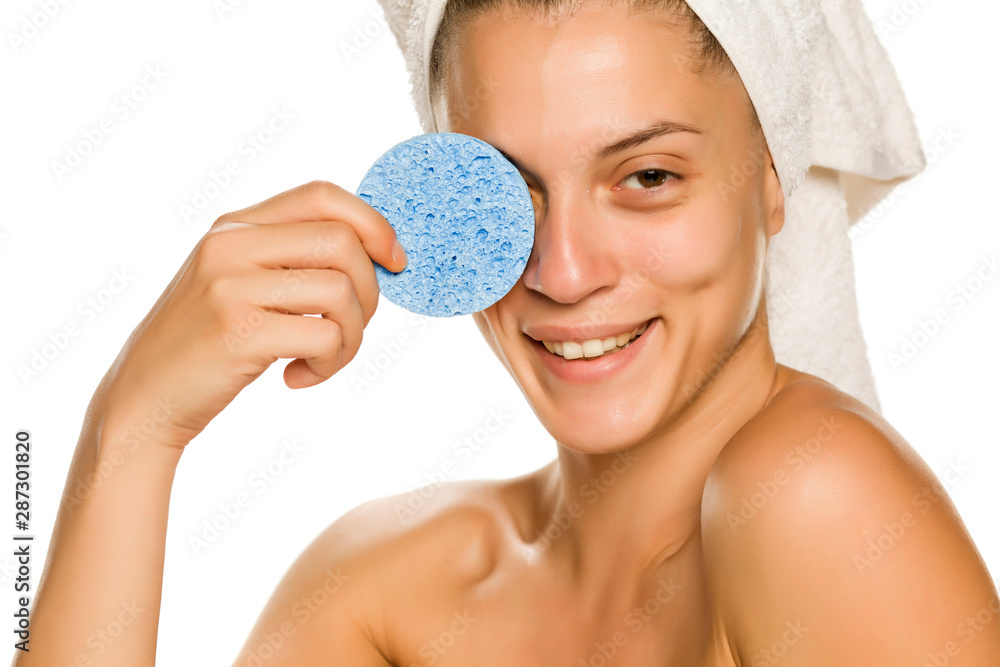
(647, 179)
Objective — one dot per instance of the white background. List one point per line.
(60, 240)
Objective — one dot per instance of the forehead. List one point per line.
(596, 69)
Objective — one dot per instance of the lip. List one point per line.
(579, 333)
(596, 369)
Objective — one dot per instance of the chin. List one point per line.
(611, 428)
(609, 417)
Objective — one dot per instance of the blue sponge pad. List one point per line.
(463, 214)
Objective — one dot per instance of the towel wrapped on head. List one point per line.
(841, 135)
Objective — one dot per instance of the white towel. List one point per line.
(841, 135)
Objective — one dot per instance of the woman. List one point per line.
(634, 545)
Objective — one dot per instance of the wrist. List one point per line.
(128, 438)
(120, 431)
(115, 447)
(106, 466)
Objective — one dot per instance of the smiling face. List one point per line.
(667, 229)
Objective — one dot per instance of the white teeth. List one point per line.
(595, 347)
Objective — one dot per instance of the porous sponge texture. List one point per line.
(463, 214)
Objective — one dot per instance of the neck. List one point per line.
(634, 510)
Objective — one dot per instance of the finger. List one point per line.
(305, 246)
(298, 375)
(323, 292)
(322, 200)
(315, 343)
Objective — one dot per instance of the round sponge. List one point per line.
(462, 213)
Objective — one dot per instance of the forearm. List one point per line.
(98, 600)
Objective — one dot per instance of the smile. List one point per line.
(595, 347)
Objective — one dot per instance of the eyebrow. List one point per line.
(646, 134)
(637, 138)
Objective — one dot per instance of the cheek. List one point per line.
(691, 251)
(486, 322)
(484, 325)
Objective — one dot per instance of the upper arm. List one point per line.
(831, 543)
(323, 606)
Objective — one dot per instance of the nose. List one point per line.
(572, 256)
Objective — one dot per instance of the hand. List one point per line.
(240, 302)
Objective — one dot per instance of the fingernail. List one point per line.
(398, 254)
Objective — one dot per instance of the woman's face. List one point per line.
(669, 231)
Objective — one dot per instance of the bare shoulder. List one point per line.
(809, 420)
(394, 562)
(829, 541)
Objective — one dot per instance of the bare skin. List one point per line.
(708, 506)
